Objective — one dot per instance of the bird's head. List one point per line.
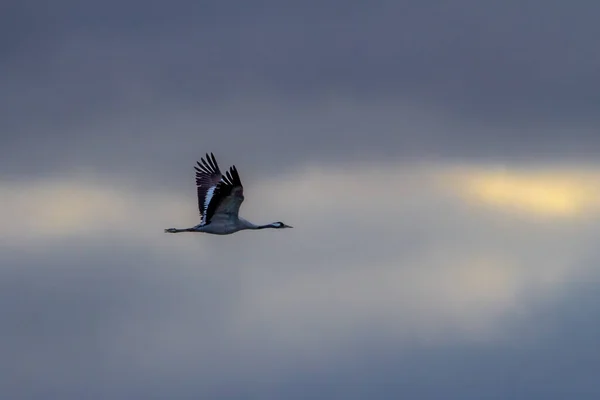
(280, 225)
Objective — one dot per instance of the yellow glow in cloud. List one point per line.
(66, 208)
(331, 283)
(544, 193)
(61, 208)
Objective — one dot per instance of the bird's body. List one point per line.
(221, 225)
(219, 200)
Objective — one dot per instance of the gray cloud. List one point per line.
(501, 55)
(82, 323)
(123, 83)
(426, 297)
(116, 320)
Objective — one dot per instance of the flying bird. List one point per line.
(219, 200)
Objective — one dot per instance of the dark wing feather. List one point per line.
(228, 195)
(208, 177)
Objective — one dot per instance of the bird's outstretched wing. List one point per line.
(217, 193)
(228, 196)
(208, 176)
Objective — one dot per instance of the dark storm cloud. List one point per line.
(497, 56)
(100, 84)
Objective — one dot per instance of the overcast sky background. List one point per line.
(437, 160)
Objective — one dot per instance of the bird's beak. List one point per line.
(287, 226)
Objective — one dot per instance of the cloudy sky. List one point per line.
(436, 159)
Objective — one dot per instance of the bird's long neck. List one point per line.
(250, 225)
(263, 226)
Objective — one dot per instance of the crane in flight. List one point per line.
(219, 200)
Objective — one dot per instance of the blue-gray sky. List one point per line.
(436, 159)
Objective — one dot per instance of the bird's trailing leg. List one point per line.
(175, 230)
